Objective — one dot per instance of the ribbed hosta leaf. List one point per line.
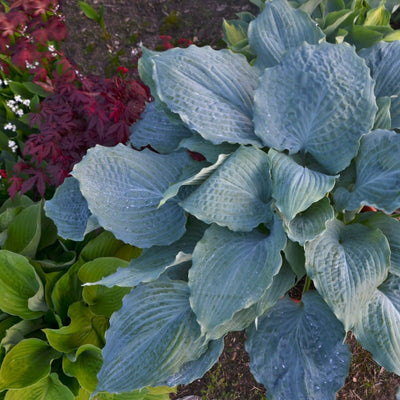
(297, 351)
(150, 338)
(318, 100)
(391, 229)
(154, 261)
(347, 263)
(237, 195)
(383, 119)
(197, 368)
(296, 188)
(193, 175)
(279, 28)
(215, 102)
(69, 210)
(230, 272)
(383, 59)
(310, 223)
(123, 188)
(210, 151)
(378, 177)
(156, 129)
(379, 326)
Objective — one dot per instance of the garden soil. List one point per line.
(129, 23)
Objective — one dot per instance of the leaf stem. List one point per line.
(307, 285)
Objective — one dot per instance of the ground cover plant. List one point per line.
(293, 147)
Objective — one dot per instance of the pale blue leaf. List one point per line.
(237, 195)
(294, 256)
(295, 187)
(210, 151)
(279, 28)
(193, 174)
(310, 223)
(154, 128)
(297, 351)
(377, 174)
(230, 272)
(155, 260)
(196, 369)
(391, 229)
(214, 101)
(379, 326)
(150, 338)
(383, 119)
(383, 59)
(347, 263)
(319, 100)
(123, 188)
(69, 210)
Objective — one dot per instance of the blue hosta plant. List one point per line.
(292, 149)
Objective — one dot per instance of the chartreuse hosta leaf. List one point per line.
(26, 363)
(22, 291)
(310, 223)
(154, 128)
(279, 28)
(383, 59)
(102, 300)
(294, 187)
(123, 188)
(347, 263)
(85, 328)
(69, 210)
(238, 194)
(215, 102)
(378, 177)
(230, 272)
(24, 231)
(297, 351)
(378, 328)
(391, 229)
(153, 336)
(318, 100)
(154, 261)
(84, 365)
(48, 388)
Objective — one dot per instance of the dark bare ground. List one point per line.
(128, 23)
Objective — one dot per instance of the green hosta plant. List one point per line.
(360, 23)
(293, 147)
(52, 329)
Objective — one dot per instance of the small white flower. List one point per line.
(26, 102)
(12, 145)
(18, 98)
(19, 112)
(10, 127)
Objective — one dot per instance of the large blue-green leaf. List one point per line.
(383, 119)
(123, 188)
(69, 210)
(377, 174)
(238, 194)
(154, 261)
(391, 229)
(319, 100)
(307, 225)
(156, 129)
(378, 328)
(150, 338)
(297, 351)
(215, 102)
(279, 28)
(383, 59)
(347, 263)
(230, 272)
(197, 368)
(294, 187)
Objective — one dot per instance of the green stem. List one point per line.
(307, 285)
(395, 215)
